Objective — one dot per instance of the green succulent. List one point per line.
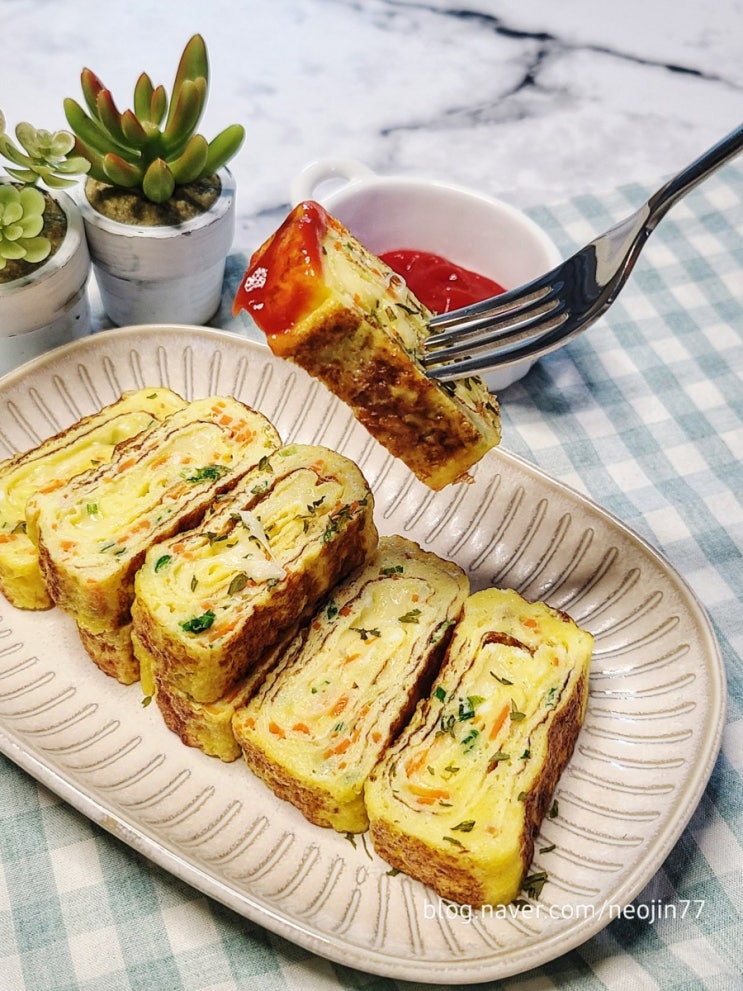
(21, 223)
(43, 156)
(46, 156)
(153, 147)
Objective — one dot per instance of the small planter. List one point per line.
(49, 307)
(162, 274)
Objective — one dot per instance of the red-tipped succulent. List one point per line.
(153, 147)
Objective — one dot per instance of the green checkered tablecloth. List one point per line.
(644, 413)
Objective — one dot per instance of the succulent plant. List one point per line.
(46, 156)
(153, 147)
(43, 156)
(21, 223)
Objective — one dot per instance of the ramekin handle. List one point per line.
(307, 182)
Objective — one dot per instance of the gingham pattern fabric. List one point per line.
(644, 413)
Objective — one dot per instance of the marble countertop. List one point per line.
(532, 102)
(569, 110)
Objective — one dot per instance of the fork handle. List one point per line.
(662, 201)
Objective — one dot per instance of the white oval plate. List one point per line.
(651, 735)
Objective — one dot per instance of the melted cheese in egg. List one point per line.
(237, 558)
(210, 601)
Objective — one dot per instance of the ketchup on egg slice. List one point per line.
(284, 282)
(438, 283)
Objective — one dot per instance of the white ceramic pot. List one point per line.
(478, 232)
(41, 311)
(162, 274)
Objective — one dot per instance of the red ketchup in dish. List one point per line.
(439, 284)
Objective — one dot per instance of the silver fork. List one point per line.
(542, 315)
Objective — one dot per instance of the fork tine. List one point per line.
(553, 335)
(537, 312)
(505, 343)
(495, 322)
(485, 311)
